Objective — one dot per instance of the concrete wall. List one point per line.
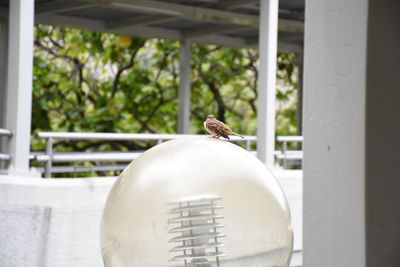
(51, 223)
(351, 132)
(55, 222)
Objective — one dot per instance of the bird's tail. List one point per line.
(233, 133)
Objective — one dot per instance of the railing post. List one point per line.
(49, 152)
(284, 152)
(248, 145)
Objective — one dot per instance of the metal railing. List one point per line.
(117, 157)
(8, 134)
(286, 154)
(49, 157)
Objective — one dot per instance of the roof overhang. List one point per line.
(223, 22)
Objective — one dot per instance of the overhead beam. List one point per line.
(74, 22)
(182, 11)
(213, 30)
(142, 31)
(238, 3)
(57, 7)
(198, 13)
(155, 32)
(138, 21)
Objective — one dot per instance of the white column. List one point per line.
(351, 133)
(19, 83)
(267, 47)
(298, 59)
(3, 79)
(184, 86)
(334, 134)
(3, 68)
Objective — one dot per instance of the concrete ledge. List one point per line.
(55, 222)
(54, 192)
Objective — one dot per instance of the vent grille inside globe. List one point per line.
(197, 229)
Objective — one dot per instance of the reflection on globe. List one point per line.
(196, 202)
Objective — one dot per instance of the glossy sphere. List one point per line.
(196, 200)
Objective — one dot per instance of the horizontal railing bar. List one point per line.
(293, 138)
(87, 156)
(62, 169)
(127, 156)
(5, 132)
(126, 136)
(290, 156)
(4, 157)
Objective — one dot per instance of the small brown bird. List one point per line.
(218, 128)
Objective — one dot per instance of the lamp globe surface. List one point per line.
(196, 201)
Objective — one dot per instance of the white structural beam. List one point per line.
(19, 83)
(142, 30)
(184, 86)
(268, 39)
(54, 7)
(198, 13)
(214, 30)
(139, 21)
(238, 3)
(183, 11)
(351, 134)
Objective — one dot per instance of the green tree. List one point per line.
(102, 82)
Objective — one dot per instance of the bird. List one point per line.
(218, 128)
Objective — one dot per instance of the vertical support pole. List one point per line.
(267, 47)
(3, 81)
(335, 134)
(248, 145)
(19, 84)
(49, 152)
(299, 60)
(3, 68)
(284, 152)
(184, 86)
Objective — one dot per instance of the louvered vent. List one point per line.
(197, 230)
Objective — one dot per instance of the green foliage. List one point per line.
(102, 82)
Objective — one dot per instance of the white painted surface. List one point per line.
(292, 184)
(51, 222)
(55, 222)
(19, 83)
(185, 56)
(3, 69)
(3, 80)
(334, 134)
(267, 47)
